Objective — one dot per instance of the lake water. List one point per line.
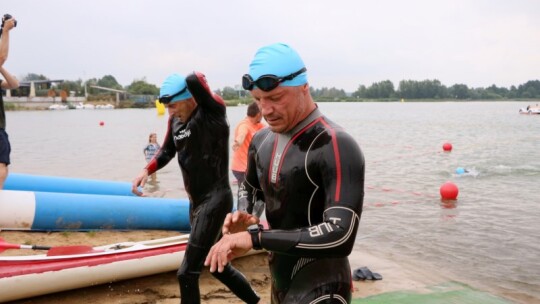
(488, 237)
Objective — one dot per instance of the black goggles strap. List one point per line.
(268, 82)
(166, 99)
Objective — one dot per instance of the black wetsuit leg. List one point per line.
(230, 277)
(206, 228)
(189, 272)
(206, 220)
(238, 284)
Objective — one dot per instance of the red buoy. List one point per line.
(447, 147)
(101, 123)
(449, 191)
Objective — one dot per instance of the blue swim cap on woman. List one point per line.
(278, 59)
(172, 85)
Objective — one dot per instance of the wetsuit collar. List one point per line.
(311, 117)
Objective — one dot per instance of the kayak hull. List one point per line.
(24, 276)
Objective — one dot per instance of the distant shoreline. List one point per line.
(44, 105)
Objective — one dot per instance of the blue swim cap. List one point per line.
(174, 84)
(278, 59)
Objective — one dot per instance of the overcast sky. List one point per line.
(343, 43)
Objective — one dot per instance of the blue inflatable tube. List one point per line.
(43, 183)
(49, 211)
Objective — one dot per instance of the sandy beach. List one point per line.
(163, 288)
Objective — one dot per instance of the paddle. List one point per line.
(76, 249)
(52, 251)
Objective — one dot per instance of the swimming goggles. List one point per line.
(166, 99)
(267, 82)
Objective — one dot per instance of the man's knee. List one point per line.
(186, 273)
(187, 277)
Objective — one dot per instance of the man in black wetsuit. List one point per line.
(310, 174)
(9, 82)
(198, 131)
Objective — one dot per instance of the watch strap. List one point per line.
(255, 240)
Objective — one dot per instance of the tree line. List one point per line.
(433, 89)
(383, 90)
(80, 88)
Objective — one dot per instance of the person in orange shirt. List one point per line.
(242, 137)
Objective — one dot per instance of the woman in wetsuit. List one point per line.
(310, 174)
(198, 132)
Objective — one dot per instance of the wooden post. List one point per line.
(32, 89)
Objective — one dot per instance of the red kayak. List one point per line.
(70, 267)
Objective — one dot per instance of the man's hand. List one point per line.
(139, 181)
(9, 24)
(237, 222)
(228, 247)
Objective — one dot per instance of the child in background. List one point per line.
(150, 150)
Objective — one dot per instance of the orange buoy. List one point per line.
(447, 147)
(449, 191)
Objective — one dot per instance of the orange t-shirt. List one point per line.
(239, 159)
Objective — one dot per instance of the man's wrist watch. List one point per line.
(254, 232)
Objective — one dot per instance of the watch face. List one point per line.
(253, 228)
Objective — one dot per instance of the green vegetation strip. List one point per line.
(446, 293)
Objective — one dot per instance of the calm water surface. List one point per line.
(488, 238)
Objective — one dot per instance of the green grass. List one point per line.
(446, 293)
